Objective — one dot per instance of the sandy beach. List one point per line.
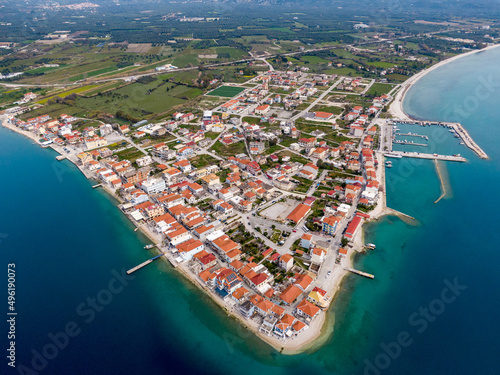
(396, 107)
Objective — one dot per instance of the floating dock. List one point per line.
(96, 186)
(360, 273)
(420, 155)
(412, 135)
(143, 264)
(405, 142)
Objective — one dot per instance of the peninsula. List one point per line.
(262, 216)
(256, 192)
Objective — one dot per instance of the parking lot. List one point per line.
(280, 210)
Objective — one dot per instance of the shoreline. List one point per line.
(308, 339)
(322, 327)
(318, 332)
(396, 108)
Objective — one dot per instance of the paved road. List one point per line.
(250, 59)
(318, 99)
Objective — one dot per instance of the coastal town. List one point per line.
(271, 187)
(259, 201)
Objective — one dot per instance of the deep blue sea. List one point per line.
(431, 309)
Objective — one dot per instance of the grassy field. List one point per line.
(314, 60)
(226, 91)
(332, 109)
(66, 93)
(185, 60)
(293, 157)
(342, 72)
(304, 184)
(43, 69)
(379, 89)
(251, 120)
(274, 149)
(92, 73)
(287, 141)
(203, 160)
(397, 77)
(231, 150)
(140, 100)
(101, 88)
(55, 110)
(310, 126)
(131, 154)
(211, 135)
(382, 64)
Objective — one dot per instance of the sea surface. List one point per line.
(431, 309)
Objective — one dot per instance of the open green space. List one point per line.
(92, 73)
(203, 160)
(293, 157)
(332, 109)
(140, 100)
(185, 60)
(314, 59)
(55, 110)
(226, 91)
(69, 92)
(231, 150)
(131, 154)
(378, 89)
(310, 126)
(304, 184)
(251, 120)
(381, 64)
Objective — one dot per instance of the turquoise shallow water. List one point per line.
(67, 239)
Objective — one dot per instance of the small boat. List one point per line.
(150, 246)
(462, 143)
(370, 246)
(396, 156)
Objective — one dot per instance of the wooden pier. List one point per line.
(143, 264)
(96, 186)
(360, 273)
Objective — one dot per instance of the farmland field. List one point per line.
(379, 89)
(66, 93)
(226, 91)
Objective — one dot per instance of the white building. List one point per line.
(144, 161)
(154, 185)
